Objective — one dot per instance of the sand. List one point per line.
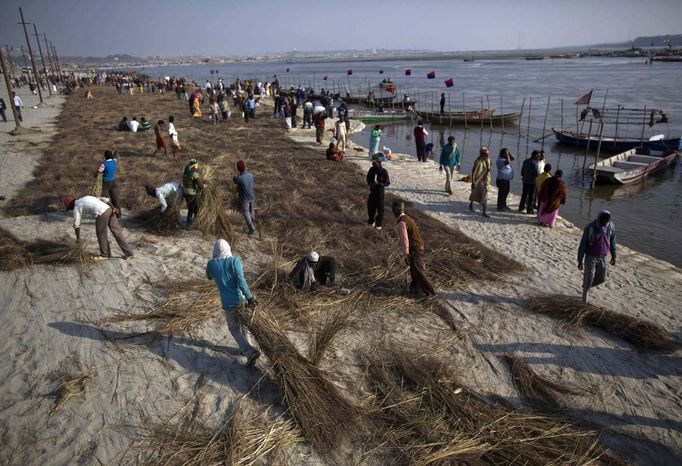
(51, 316)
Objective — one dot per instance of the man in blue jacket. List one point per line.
(598, 240)
(228, 274)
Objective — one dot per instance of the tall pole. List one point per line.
(49, 55)
(8, 83)
(33, 60)
(56, 61)
(42, 59)
(23, 55)
(11, 63)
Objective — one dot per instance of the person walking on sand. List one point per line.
(247, 195)
(505, 174)
(319, 120)
(378, 181)
(105, 217)
(529, 173)
(552, 196)
(108, 169)
(480, 181)
(598, 240)
(165, 193)
(420, 140)
(160, 141)
(341, 134)
(213, 109)
(228, 273)
(374, 141)
(412, 249)
(191, 186)
(173, 134)
(18, 105)
(450, 157)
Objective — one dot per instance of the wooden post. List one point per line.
(42, 58)
(544, 124)
(464, 110)
(641, 139)
(523, 104)
(596, 156)
(562, 113)
(449, 110)
(56, 59)
(502, 112)
(615, 136)
(530, 107)
(11, 62)
(480, 120)
(490, 113)
(33, 60)
(8, 84)
(587, 149)
(49, 55)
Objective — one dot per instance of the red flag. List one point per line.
(349, 72)
(585, 100)
(408, 72)
(390, 89)
(449, 82)
(325, 78)
(431, 75)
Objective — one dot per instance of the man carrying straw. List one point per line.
(227, 272)
(412, 249)
(191, 185)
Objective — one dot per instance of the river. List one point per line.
(647, 214)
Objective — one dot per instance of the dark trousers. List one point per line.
(527, 197)
(307, 119)
(421, 151)
(325, 273)
(109, 220)
(319, 133)
(18, 109)
(502, 193)
(375, 206)
(192, 207)
(110, 190)
(420, 283)
(2, 113)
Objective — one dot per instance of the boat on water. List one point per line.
(379, 101)
(610, 144)
(485, 117)
(633, 165)
(378, 117)
(535, 57)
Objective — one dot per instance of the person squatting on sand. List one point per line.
(412, 249)
(450, 157)
(552, 196)
(247, 195)
(480, 181)
(333, 153)
(227, 272)
(108, 169)
(191, 185)
(103, 212)
(598, 240)
(165, 193)
(378, 181)
(505, 173)
(313, 269)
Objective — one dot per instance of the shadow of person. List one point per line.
(193, 355)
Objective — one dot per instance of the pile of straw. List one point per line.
(247, 437)
(166, 223)
(426, 416)
(573, 311)
(536, 389)
(16, 254)
(70, 386)
(212, 219)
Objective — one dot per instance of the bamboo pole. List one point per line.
(449, 110)
(562, 114)
(587, 149)
(480, 120)
(523, 104)
(641, 139)
(490, 113)
(502, 112)
(530, 107)
(8, 84)
(464, 110)
(544, 123)
(33, 60)
(615, 136)
(596, 156)
(42, 59)
(49, 55)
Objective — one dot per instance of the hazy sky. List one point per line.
(224, 27)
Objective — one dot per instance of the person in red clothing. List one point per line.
(420, 139)
(160, 141)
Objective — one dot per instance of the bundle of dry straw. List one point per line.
(212, 219)
(249, 436)
(641, 333)
(166, 223)
(16, 254)
(70, 386)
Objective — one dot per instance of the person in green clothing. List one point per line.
(374, 140)
(191, 186)
(450, 157)
(480, 181)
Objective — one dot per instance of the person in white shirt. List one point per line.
(173, 133)
(103, 212)
(164, 193)
(18, 105)
(134, 124)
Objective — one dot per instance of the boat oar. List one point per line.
(543, 137)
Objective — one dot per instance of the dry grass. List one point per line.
(536, 389)
(212, 220)
(164, 223)
(248, 436)
(16, 254)
(321, 339)
(71, 385)
(96, 189)
(641, 333)
(426, 415)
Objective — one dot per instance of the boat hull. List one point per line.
(378, 118)
(615, 145)
(629, 166)
(469, 119)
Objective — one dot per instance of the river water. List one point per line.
(647, 214)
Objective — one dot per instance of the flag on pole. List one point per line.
(390, 90)
(408, 72)
(450, 83)
(585, 100)
(431, 75)
(381, 71)
(287, 70)
(325, 78)
(349, 72)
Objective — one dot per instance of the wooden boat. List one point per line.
(352, 100)
(378, 117)
(613, 145)
(535, 57)
(485, 117)
(633, 165)
(380, 101)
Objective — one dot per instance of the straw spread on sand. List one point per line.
(16, 254)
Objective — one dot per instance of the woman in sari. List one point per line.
(551, 196)
(480, 181)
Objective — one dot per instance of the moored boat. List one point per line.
(610, 144)
(378, 117)
(632, 165)
(485, 117)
